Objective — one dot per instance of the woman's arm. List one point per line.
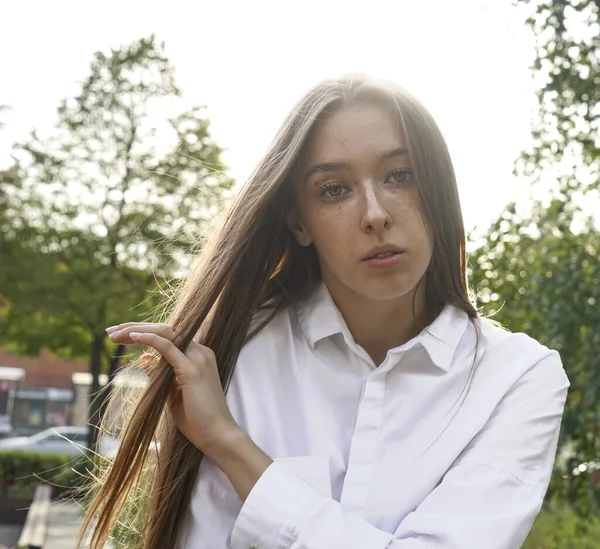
(489, 497)
(241, 460)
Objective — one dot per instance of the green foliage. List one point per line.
(559, 526)
(539, 270)
(568, 67)
(100, 213)
(72, 477)
(543, 279)
(22, 471)
(101, 209)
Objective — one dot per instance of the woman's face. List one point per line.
(359, 204)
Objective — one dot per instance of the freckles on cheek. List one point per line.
(334, 221)
(411, 208)
(332, 233)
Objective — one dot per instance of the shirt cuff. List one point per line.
(276, 505)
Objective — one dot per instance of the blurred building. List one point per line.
(10, 379)
(36, 392)
(47, 391)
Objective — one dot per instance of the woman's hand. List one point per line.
(197, 402)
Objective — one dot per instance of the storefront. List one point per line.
(10, 379)
(37, 408)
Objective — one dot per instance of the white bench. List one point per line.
(34, 531)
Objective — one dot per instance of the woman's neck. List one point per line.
(380, 325)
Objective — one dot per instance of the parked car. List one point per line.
(71, 440)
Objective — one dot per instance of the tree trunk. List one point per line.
(95, 400)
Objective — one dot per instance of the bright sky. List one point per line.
(249, 61)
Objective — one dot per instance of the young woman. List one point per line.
(324, 381)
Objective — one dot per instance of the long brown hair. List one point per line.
(251, 264)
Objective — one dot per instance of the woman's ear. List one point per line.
(298, 229)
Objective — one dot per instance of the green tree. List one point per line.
(106, 205)
(539, 269)
(567, 66)
(543, 278)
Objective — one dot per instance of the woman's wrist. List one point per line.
(224, 445)
(242, 461)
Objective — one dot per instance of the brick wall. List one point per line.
(44, 370)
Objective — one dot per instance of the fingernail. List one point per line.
(114, 334)
(111, 329)
(134, 335)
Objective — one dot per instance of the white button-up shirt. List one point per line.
(423, 451)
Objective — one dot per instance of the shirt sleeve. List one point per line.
(488, 498)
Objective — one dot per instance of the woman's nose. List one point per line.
(376, 216)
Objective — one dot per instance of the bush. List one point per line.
(20, 472)
(559, 526)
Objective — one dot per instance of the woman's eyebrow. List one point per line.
(325, 167)
(394, 153)
(341, 166)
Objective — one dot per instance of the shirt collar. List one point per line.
(442, 337)
(319, 318)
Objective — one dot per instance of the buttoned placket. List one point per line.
(366, 441)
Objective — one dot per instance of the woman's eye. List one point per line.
(403, 175)
(333, 191)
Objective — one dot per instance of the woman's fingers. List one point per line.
(121, 334)
(118, 327)
(160, 337)
(178, 360)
